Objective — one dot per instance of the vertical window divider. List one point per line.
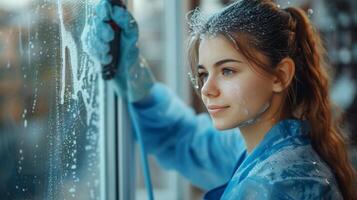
(118, 141)
(126, 154)
(125, 151)
(109, 137)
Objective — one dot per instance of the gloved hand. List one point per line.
(133, 79)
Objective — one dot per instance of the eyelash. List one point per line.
(202, 75)
(226, 69)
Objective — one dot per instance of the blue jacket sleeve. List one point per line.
(186, 142)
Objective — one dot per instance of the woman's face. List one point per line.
(232, 90)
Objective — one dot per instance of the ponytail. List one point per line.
(311, 95)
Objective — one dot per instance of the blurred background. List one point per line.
(50, 100)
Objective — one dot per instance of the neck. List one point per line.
(253, 134)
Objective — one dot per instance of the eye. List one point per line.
(227, 72)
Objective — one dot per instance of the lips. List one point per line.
(216, 108)
(213, 107)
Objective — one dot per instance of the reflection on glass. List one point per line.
(49, 102)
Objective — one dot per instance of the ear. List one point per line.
(284, 73)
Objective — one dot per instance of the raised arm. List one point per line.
(186, 142)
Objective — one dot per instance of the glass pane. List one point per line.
(150, 18)
(50, 111)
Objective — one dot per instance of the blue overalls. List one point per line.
(283, 166)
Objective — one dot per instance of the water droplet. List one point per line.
(25, 123)
(326, 180)
(72, 190)
(246, 111)
(91, 194)
(278, 5)
(142, 64)
(310, 12)
(73, 167)
(20, 151)
(314, 163)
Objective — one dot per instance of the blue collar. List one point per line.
(283, 130)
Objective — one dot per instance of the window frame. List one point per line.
(119, 138)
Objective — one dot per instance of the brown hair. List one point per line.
(279, 33)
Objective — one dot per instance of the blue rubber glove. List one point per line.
(134, 78)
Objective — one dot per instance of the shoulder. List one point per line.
(296, 170)
(257, 187)
(291, 161)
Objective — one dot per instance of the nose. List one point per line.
(210, 88)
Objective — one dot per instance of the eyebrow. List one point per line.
(221, 62)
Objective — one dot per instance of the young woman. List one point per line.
(258, 68)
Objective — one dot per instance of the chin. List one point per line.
(226, 123)
(221, 125)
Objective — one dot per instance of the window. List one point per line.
(51, 139)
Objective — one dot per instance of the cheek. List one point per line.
(247, 92)
(236, 90)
